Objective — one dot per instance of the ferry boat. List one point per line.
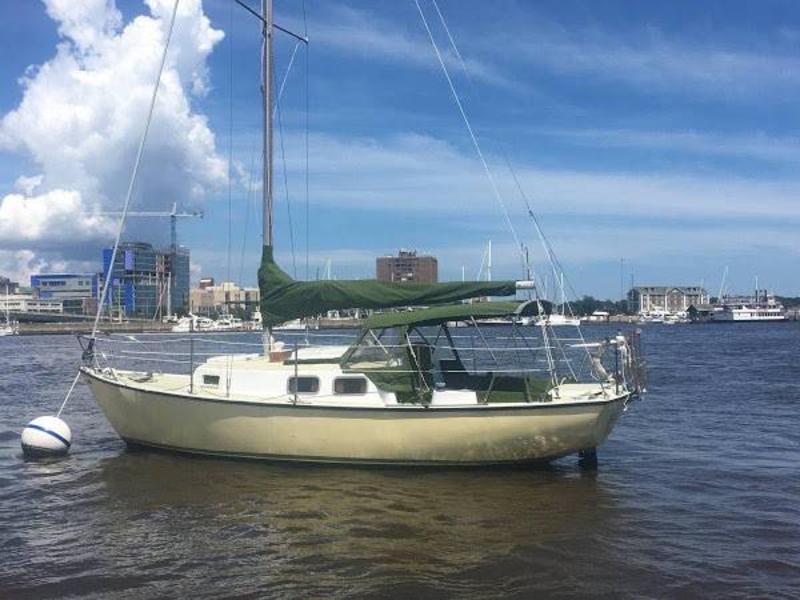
(761, 307)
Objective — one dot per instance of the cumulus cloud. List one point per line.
(55, 217)
(80, 119)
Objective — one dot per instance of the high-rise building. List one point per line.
(147, 283)
(135, 279)
(178, 269)
(407, 266)
(77, 291)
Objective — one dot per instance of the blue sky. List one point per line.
(664, 134)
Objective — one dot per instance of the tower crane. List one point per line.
(173, 215)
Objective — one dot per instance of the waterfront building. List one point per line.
(6, 285)
(178, 273)
(134, 283)
(407, 266)
(147, 283)
(78, 292)
(665, 300)
(227, 297)
(26, 303)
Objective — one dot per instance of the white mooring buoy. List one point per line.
(46, 436)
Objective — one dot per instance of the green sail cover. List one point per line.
(284, 299)
(457, 312)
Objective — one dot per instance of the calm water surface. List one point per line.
(697, 495)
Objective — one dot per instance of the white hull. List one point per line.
(558, 320)
(747, 315)
(396, 434)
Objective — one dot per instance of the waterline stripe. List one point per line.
(63, 440)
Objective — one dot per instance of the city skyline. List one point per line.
(661, 135)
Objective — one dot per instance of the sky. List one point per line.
(656, 142)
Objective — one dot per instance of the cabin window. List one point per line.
(210, 379)
(350, 385)
(303, 385)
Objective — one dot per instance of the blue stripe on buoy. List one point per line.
(53, 433)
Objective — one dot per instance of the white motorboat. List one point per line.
(297, 325)
(193, 323)
(227, 323)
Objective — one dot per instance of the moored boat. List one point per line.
(406, 391)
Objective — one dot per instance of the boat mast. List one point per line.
(267, 64)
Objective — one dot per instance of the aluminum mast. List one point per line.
(267, 64)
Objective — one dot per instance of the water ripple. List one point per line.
(696, 497)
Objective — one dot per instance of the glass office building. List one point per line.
(146, 283)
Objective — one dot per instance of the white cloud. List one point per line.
(28, 184)
(418, 173)
(19, 264)
(755, 145)
(82, 114)
(56, 219)
(362, 33)
(655, 63)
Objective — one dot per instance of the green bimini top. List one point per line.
(284, 299)
(455, 312)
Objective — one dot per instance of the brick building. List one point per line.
(407, 266)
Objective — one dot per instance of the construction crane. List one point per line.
(173, 215)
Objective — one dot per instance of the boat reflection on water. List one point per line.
(279, 521)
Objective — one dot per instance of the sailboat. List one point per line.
(407, 391)
(9, 327)
(559, 317)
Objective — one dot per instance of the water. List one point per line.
(697, 495)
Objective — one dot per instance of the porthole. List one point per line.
(211, 380)
(350, 385)
(303, 385)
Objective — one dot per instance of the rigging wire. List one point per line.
(89, 352)
(472, 135)
(305, 33)
(520, 246)
(555, 265)
(134, 173)
(286, 187)
(278, 112)
(228, 253)
(249, 204)
(230, 145)
(251, 182)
